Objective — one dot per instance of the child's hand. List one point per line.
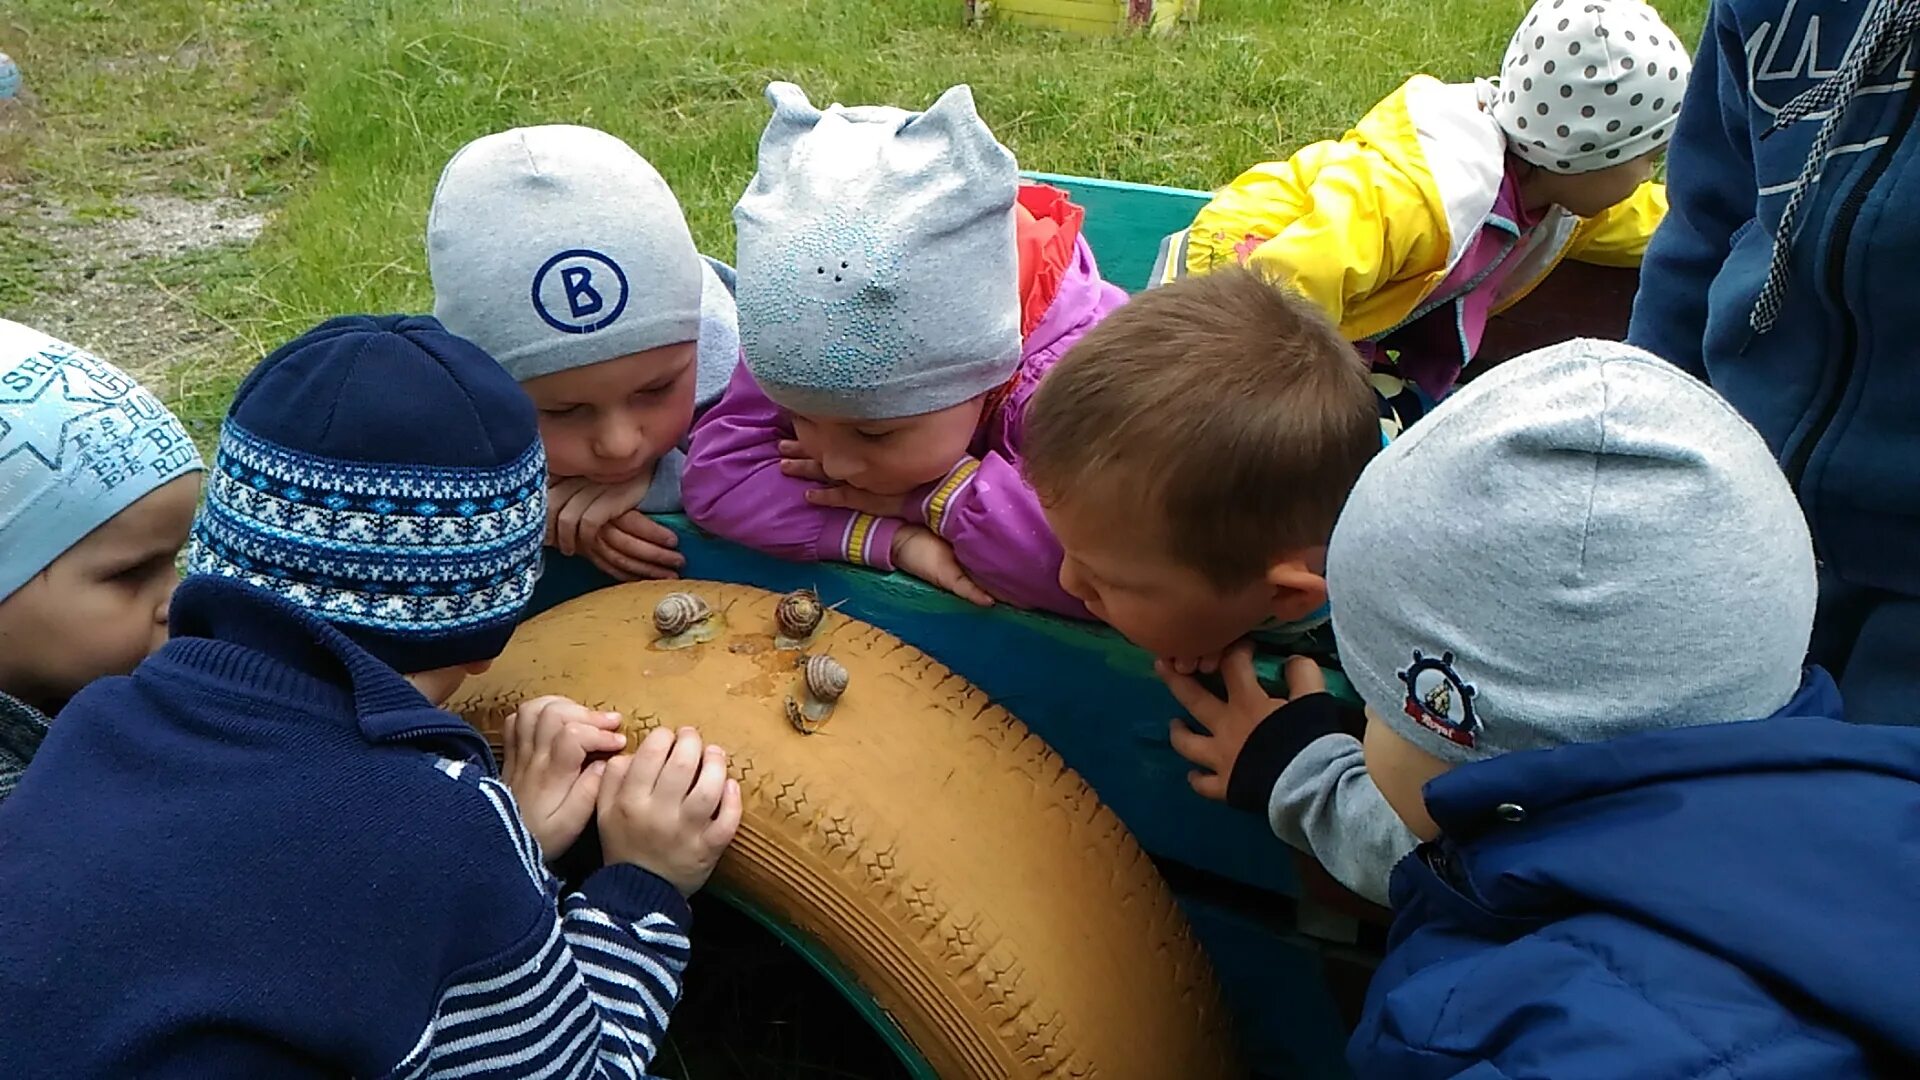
(1231, 722)
(547, 742)
(794, 462)
(578, 507)
(633, 546)
(1206, 664)
(670, 808)
(865, 502)
(920, 551)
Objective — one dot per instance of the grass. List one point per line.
(343, 114)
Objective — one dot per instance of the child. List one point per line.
(1449, 203)
(564, 254)
(901, 295)
(293, 863)
(98, 484)
(1190, 528)
(1653, 849)
(1776, 279)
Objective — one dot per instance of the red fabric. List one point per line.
(1047, 226)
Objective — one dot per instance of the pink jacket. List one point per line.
(733, 485)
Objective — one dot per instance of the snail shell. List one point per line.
(676, 613)
(826, 678)
(799, 614)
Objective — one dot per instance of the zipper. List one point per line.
(1434, 304)
(1796, 465)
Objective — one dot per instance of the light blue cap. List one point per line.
(80, 441)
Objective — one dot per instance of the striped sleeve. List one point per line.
(586, 995)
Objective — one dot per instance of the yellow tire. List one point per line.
(945, 855)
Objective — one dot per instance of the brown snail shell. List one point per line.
(798, 614)
(826, 678)
(676, 613)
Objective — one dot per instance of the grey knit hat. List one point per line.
(878, 273)
(1589, 84)
(1583, 543)
(558, 247)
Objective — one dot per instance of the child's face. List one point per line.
(1594, 193)
(100, 608)
(1128, 581)
(610, 422)
(889, 457)
(1401, 771)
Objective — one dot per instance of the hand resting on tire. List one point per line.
(548, 743)
(670, 808)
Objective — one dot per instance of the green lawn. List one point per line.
(339, 116)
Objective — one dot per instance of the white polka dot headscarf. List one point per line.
(1589, 84)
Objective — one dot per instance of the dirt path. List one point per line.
(102, 286)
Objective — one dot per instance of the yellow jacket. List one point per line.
(1368, 226)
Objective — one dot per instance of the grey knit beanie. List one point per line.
(558, 247)
(1583, 543)
(878, 273)
(1589, 84)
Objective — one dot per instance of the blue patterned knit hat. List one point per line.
(387, 476)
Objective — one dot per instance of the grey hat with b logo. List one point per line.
(557, 247)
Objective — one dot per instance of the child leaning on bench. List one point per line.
(268, 851)
(1448, 203)
(1189, 529)
(563, 253)
(901, 295)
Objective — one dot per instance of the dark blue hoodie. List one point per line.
(1735, 900)
(1834, 381)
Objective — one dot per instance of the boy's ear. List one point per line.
(478, 667)
(1299, 589)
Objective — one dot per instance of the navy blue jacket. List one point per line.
(264, 854)
(1835, 385)
(1735, 900)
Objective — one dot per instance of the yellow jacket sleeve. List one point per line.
(1334, 221)
(1619, 236)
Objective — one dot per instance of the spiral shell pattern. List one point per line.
(826, 678)
(676, 613)
(799, 614)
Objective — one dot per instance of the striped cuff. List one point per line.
(866, 540)
(933, 509)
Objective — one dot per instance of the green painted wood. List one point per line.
(1126, 222)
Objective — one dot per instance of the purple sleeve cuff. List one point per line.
(859, 539)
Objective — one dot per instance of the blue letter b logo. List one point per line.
(579, 291)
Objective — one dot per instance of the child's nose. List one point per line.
(617, 442)
(1071, 582)
(840, 466)
(165, 606)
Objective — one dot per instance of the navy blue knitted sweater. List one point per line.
(264, 854)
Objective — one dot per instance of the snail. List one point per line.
(684, 620)
(798, 615)
(826, 678)
(823, 680)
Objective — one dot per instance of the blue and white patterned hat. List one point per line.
(387, 476)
